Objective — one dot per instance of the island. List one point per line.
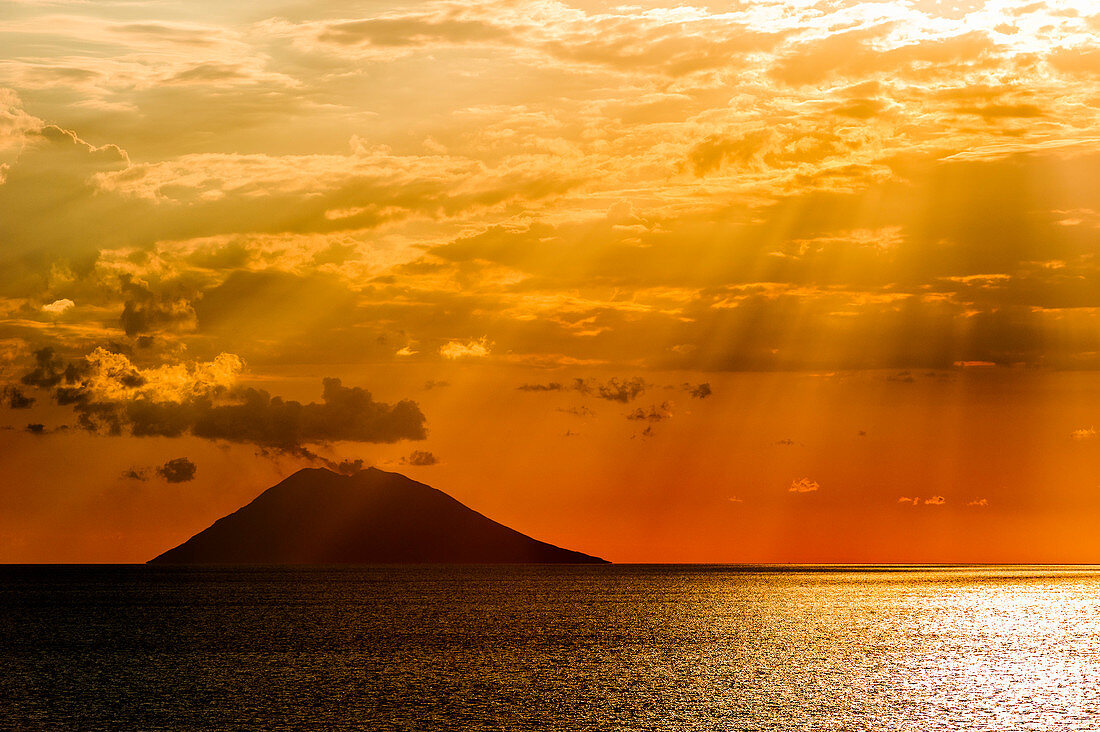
(317, 516)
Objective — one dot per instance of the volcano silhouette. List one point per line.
(317, 516)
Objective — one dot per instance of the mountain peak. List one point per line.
(317, 516)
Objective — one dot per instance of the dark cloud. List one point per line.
(581, 411)
(36, 429)
(136, 473)
(433, 384)
(655, 413)
(420, 457)
(49, 369)
(698, 391)
(615, 389)
(145, 312)
(236, 414)
(349, 467)
(552, 386)
(346, 413)
(178, 470)
(16, 398)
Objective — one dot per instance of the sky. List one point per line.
(769, 281)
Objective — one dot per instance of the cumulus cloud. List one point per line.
(113, 396)
(420, 458)
(48, 371)
(16, 398)
(58, 306)
(979, 503)
(803, 485)
(177, 470)
(454, 350)
(1085, 433)
(145, 312)
(614, 389)
(698, 391)
(655, 413)
(348, 467)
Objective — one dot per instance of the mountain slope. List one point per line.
(319, 517)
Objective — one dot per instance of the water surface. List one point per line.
(550, 648)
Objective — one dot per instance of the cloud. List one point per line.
(112, 396)
(57, 307)
(653, 414)
(552, 386)
(803, 485)
(1085, 433)
(48, 371)
(348, 467)
(420, 458)
(454, 350)
(979, 503)
(915, 501)
(615, 389)
(144, 312)
(16, 398)
(178, 470)
(580, 411)
(699, 391)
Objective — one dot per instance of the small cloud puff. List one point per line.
(915, 501)
(614, 389)
(699, 391)
(653, 414)
(1083, 434)
(552, 386)
(179, 470)
(979, 503)
(478, 348)
(58, 306)
(803, 485)
(420, 458)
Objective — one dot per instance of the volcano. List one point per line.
(317, 516)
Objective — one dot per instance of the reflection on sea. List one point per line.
(555, 648)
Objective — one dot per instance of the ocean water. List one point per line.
(550, 648)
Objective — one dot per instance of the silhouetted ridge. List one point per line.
(319, 517)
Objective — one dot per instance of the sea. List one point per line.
(550, 647)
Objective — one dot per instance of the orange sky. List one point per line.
(524, 236)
